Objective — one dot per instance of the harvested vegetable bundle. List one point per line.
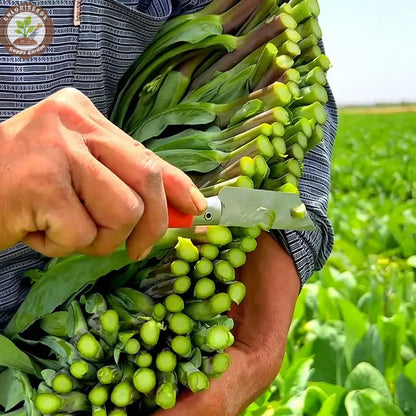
(233, 95)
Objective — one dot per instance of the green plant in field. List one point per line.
(352, 346)
(25, 27)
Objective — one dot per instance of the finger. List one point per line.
(140, 170)
(177, 184)
(61, 224)
(180, 190)
(114, 206)
(154, 222)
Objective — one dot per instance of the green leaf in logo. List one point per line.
(20, 24)
(19, 31)
(28, 20)
(30, 29)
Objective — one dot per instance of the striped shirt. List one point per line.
(93, 57)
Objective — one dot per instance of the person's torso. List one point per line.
(91, 57)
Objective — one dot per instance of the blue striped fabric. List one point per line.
(93, 57)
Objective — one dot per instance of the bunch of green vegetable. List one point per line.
(234, 95)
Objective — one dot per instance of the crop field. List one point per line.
(352, 346)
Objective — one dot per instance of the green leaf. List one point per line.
(20, 24)
(18, 412)
(329, 406)
(188, 114)
(61, 282)
(411, 261)
(355, 327)
(19, 31)
(410, 371)
(296, 378)
(314, 398)
(370, 402)
(393, 334)
(363, 376)
(30, 29)
(330, 363)
(11, 392)
(249, 109)
(28, 20)
(370, 349)
(406, 393)
(11, 356)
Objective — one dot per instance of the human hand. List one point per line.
(71, 181)
(261, 325)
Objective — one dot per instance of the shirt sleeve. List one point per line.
(187, 6)
(311, 249)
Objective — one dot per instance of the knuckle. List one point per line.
(151, 171)
(131, 212)
(66, 100)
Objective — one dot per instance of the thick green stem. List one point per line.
(144, 380)
(124, 394)
(280, 65)
(235, 256)
(181, 345)
(55, 323)
(192, 378)
(202, 268)
(99, 395)
(224, 271)
(315, 111)
(63, 382)
(237, 292)
(238, 182)
(83, 370)
(289, 166)
(159, 312)
(299, 138)
(321, 61)
(262, 171)
(216, 365)
(89, 348)
(314, 76)
(174, 303)
(213, 339)
(248, 244)
(77, 324)
(247, 44)
(310, 27)
(205, 310)
(166, 391)
(186, 250)
(180, 324)
(209, 251)
(316, 138)
(204, 288)
(150, 332)
(144, 359)
(49, 403)
(110, 374)
(166, 361)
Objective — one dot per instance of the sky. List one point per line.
(372, 47)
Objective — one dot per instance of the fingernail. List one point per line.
(198, 199)
(145, 253)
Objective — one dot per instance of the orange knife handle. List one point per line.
(178, 219)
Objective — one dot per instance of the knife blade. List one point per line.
(243, 207)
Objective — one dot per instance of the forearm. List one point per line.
(273, 286)
(264, 318)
